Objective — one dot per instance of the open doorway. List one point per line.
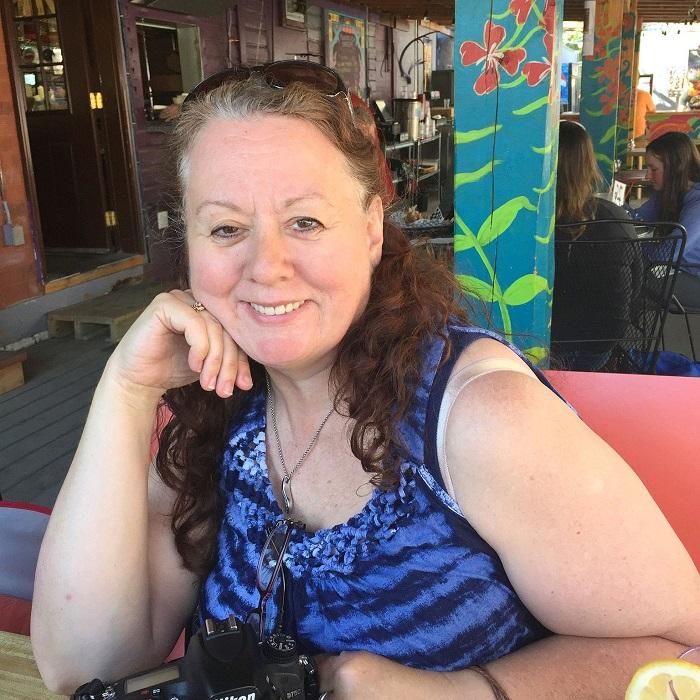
(67, 58)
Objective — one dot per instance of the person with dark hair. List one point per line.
(673, 168)
(593, 285)
(465, 534)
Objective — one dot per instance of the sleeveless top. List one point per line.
(407, 578)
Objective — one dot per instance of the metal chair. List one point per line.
(611, 297)
(686, 310)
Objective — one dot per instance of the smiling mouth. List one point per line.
(277, 310)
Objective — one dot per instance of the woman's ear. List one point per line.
(375, 230)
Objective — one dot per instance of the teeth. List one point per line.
(276, 310)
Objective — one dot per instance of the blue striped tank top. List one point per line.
(407, 577)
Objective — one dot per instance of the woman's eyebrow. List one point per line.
(225, 204)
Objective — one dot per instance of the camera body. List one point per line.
(224, 661)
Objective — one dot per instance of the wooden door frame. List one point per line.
(121, 113)
(16, 81)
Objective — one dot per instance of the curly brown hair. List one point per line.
(412, 297)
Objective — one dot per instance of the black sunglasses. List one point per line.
(269, 568)
(279, 74)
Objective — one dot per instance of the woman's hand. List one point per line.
(171, 345)
(357, 674)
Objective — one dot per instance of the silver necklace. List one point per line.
(287, 496)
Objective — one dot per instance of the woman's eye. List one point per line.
(306, 224)
(225, 231)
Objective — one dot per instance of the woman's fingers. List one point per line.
(213, 353)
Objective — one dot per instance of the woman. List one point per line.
(593, 285)
(673, 168)
(357, 351)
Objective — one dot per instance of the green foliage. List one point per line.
(525, 289)
(501, 219)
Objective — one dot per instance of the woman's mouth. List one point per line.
(277, 310)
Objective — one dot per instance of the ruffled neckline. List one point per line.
(334, 549)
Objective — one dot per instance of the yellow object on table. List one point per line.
(19, 676)
(664, 680)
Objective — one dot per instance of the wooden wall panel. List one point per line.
(18, 272)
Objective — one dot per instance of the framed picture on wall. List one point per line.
(294, 14)
(345, 49)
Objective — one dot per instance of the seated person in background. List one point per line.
(593, 286)
(457, 512)
(673, 166)
(644, 104)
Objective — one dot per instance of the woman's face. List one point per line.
(281, 249)
(655, 172)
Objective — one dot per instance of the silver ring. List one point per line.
(198, 306)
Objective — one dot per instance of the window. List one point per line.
(40, 55)
(170, 63)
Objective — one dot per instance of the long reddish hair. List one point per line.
(378, 365)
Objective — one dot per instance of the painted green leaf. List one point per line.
(463, 242)
(544, 150)
(475, 134)
(502, 218)
(609, 134)
(536, 354)
(550, 231)
(525, 289)
(550, 183)
(604, 159)
(475, 175)
(532, 106)
(478, 288)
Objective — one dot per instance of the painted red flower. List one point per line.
(537, 71)
(508, 59)
(521, 10)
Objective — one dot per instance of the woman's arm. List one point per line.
(111, 594)
(556, 668)
(583, 543)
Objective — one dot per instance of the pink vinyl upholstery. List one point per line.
(652, 422)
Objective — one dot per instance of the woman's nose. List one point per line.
(270, 256)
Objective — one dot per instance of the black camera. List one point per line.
(224, 661)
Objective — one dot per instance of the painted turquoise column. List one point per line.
(507, 82)
(600, 84)
(625, 109)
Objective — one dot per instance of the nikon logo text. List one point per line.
(250, 696)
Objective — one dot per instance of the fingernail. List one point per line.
(227, 390)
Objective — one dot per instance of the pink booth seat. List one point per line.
(651, 421)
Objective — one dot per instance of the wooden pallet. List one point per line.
(114, 312)
(11, 370)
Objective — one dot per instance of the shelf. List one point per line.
(425, 176)
(398, 146)
(428, 139)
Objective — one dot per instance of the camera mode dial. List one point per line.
(279, 647)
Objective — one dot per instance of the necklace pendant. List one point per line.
(287, 497)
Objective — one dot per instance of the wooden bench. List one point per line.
(11, 370)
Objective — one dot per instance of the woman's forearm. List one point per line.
(571, 668)
(94, 556)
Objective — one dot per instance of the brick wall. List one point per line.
(18, 276)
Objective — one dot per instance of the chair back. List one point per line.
(22, 527)
(648, 421)
(611, 296)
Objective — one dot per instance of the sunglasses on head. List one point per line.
(279, 74)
